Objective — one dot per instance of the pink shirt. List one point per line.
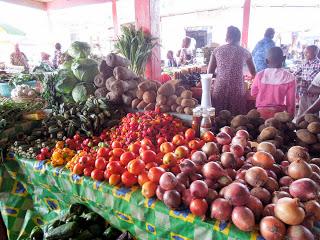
(275, 87)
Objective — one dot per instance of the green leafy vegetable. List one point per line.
(66, 81)
(79, 50)
(82, 91)
(85, 69)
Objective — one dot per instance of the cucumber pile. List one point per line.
(80, 223)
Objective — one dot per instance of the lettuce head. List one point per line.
(79, 50)
(85, 69)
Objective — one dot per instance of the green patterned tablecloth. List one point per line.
(33, 192)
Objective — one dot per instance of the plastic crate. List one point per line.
(5, 89)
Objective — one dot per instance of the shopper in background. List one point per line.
(305, 75)
(260, 51)
(45, 59)
(274, 87)
(229, 91)
(184, 54)
(171, 61)
(57, 58)
(18, 58)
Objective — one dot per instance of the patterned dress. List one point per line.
(229, 91)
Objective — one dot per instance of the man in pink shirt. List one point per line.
(274, 87)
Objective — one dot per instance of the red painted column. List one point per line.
(115, 17)
(245, 23)
(147, 15)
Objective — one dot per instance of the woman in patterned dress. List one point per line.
(229, 91)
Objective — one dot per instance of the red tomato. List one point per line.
(170, 159)
(129, 179)
(106, 174)
(201, 143)
(155, 173)
(103, 152)
(41, 157)
(178, 140)
(148, 156)
(194, 144)
(100, 163)
(151, 165)
(181, 152)
(161, 140)
(116, 144)
(134, 147)
(114, 167)
(136, 166)
(126, 158)
(149, 189)
(143, 178)
(146, 142)
(44, 150)
(117, 152)
(87, 171)
(190, 134)
(166, 147)
(175, 170)
(78, 169)
(97, 175)
(114, 159)
(208, 137)
(114, 179)
(83, 161)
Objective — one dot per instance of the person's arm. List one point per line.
(212, 64)
(314, 89)
(255, 86)
(291, 98)
(251, 67)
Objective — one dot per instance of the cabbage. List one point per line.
(66, 65)
(82, 91)
(85, 69)
(66, 81)
(79, 50)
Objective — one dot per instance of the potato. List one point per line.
(165, 108)
(283, 117)
(303, 124)
(302, 144)
(147, 85)
(311, 118)
(187, 103)
(132, 93)
(272, 122)
(179, 100)
(188, 110)
(291, 126)
(240, 120)
(307, 137)
(149, 97)
(150, 107)
(187, 94)
(142, 105)
(158, 84)
(135, 103)
(179, 90)
(139, 94)
(314, 127)
(166, 89)
(225, 114)
(315, 148)
(127, 100)
(253, 113)
(250, 127)
(196, 101)
(174, 107)
(161, 100)
(268, 133)
(172, 100)
(274, 142)
(180, 109)
(117, 88)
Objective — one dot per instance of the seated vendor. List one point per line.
(274, 87)
(171, 61)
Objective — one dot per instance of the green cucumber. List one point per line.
(63, 232)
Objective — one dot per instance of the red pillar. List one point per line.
(245, 23)
(147, 15)
(115, 17)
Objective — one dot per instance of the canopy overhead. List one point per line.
(10, 30)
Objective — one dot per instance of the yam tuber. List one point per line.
(99, 81)
(149, 97)
(114, 60)
(135, 103)
(109, 82)
(167, 89)
(123, 73)
(105, 69)
(101, 92)
(127, 99)
(117, 88)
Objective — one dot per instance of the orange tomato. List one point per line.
(161, 140)
(208, 137)
(126, 157)
(116, 144)
(117, 152)
(170, 159)
(60, 144)
(136, 166)
(134, 147)
(194, 144)
(181, 152)
(129, 179)
(178, 140)
(148, 156)
(114, 179)
(143, 178)
(190, 134)
(166, 147)
(155, 173)
(149, 189)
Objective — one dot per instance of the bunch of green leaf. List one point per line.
(136, 46)
(21, 78)
(79, 50)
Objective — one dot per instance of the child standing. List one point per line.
(305, 74)
(274, 87)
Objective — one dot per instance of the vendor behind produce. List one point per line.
(229, 91)
(45, 59)
(18, 58)
(274, 87)
(171, 61)
(185, 54)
